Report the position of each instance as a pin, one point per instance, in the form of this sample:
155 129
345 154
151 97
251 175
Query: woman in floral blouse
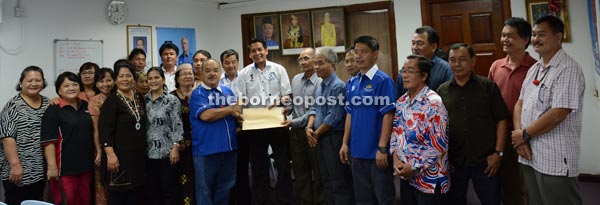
419 141
165 130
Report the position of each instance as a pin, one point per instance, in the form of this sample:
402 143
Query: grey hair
328 53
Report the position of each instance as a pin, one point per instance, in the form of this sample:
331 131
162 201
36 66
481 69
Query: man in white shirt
267 80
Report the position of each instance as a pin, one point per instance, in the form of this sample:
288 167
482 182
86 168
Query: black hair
257 40
229 52
120 61
98 76
462 45
432 34
203 52
369 41
168 45
135 52
87 66
424 65
523 27
161 73
554 22
31 69
126 64
63 76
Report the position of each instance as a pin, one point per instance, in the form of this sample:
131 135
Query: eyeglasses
303 59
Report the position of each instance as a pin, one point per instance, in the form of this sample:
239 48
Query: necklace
134 110
536 81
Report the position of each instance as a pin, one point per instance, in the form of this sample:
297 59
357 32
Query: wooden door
476 23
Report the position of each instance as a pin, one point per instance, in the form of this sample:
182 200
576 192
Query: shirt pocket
543 97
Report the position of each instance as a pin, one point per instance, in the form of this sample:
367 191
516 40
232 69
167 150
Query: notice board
69 55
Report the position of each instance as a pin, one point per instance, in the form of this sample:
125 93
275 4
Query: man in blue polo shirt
213 114
369 104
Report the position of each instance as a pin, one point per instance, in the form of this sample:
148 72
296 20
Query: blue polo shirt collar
209 88
371 72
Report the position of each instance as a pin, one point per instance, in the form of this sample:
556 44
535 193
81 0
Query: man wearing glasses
304 157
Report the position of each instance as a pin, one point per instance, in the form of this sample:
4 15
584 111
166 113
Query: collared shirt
440 73
96 103
271 83
474 111
72 132
420 138
217 136
510 81
369 97
304 88
225 80
23 123
555 152
170 79
164 124
332 112
185 58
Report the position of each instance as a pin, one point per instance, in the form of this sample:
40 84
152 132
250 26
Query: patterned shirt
96 103
561 86
23 123
303 88
164 124
420 138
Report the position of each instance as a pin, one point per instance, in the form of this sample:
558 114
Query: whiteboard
69 55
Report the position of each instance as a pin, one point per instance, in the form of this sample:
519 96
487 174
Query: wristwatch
526 136
500 153
382 149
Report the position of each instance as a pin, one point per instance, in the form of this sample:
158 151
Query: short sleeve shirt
473 112
164 124
23 123
369 97
72 132
557 151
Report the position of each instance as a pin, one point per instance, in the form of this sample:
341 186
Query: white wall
219 29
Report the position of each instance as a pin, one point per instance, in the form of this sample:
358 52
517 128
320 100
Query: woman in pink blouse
419 141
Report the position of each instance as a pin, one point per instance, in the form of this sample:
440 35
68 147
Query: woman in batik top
165 130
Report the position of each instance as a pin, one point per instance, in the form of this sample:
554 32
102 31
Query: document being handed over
262 118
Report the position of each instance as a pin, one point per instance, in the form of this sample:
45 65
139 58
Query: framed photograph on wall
266 27
295 32
329 28
183 38
539 8
139 36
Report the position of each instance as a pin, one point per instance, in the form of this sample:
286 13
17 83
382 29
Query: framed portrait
539 8
139 36
266 27
329 28
183 38
295 32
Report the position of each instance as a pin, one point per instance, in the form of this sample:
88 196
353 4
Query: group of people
128 135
